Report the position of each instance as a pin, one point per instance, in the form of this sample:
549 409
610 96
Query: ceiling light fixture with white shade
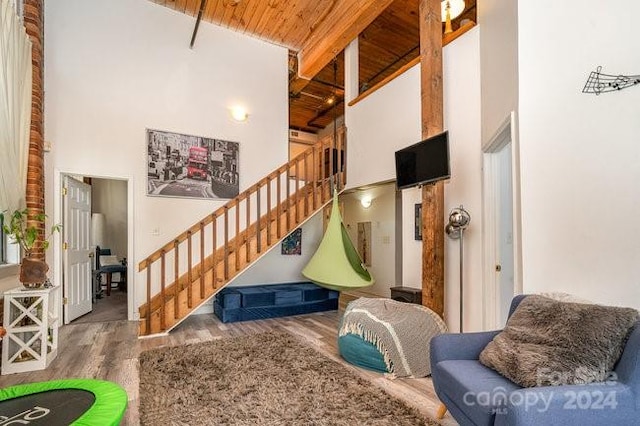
451 9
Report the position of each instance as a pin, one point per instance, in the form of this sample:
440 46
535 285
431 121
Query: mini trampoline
79 402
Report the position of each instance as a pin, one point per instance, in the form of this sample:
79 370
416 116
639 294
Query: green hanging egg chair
336 264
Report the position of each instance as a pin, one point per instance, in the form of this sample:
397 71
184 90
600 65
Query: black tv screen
424 162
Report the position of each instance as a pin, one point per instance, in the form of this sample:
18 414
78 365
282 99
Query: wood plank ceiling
388 43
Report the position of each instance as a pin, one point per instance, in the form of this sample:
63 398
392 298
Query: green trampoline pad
80 402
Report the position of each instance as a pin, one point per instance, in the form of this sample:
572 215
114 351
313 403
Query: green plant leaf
30 236
24 235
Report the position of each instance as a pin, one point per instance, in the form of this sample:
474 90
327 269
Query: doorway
501 198
104 223
369 218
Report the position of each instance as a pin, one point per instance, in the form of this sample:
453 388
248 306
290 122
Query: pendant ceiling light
451 9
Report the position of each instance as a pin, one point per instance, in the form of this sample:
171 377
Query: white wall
276 268
388 120
378 126
109 197
498 25
580 154
115 68
382 215
411 248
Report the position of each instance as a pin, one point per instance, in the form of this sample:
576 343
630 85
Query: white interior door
502 254
78 253
504 234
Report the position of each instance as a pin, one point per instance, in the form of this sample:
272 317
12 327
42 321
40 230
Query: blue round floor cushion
361 353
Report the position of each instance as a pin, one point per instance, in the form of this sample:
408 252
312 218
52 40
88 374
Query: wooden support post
176 279
237 238
226 242
278 206
259 232
163 325
258 228
189 267
314 179
148 316
288 198
214 260
201 260
432 124
247 233
296 218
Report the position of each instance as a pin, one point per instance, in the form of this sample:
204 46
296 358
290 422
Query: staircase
195 265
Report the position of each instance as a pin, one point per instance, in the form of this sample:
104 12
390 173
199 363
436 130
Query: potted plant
33 272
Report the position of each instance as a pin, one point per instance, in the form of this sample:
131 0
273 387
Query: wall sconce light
239 113
366 201
451 9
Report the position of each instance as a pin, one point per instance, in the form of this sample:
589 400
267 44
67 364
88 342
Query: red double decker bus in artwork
197 167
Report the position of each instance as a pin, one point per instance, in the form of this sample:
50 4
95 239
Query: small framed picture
418 222
292 244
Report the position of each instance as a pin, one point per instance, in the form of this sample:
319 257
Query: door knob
91 255
498 268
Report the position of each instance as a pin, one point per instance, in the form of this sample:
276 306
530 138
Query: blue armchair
477 395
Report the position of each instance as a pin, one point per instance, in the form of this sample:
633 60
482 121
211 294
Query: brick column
34 23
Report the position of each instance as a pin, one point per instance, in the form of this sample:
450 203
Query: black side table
407 294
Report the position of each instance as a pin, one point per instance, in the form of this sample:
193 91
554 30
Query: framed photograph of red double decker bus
180 165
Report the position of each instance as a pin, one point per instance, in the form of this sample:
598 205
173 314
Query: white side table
31 342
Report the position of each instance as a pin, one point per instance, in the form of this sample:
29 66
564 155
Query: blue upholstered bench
273 300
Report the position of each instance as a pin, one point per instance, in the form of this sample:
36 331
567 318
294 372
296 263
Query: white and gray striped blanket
400 331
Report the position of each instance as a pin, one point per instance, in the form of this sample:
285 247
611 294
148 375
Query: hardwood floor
109 351
107 308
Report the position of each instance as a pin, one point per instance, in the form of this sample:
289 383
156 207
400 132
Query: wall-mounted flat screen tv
424 162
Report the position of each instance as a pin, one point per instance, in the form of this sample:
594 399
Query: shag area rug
263 379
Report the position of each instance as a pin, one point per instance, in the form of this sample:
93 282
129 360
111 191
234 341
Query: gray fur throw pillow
547 342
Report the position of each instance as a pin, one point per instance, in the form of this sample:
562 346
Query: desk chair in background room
109 264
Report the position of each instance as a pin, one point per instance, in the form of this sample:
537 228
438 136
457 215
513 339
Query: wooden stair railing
191 268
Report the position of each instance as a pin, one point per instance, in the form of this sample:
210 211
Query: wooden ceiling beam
297 85
339 105
342 24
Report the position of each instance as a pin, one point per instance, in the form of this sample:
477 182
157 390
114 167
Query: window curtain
15 107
